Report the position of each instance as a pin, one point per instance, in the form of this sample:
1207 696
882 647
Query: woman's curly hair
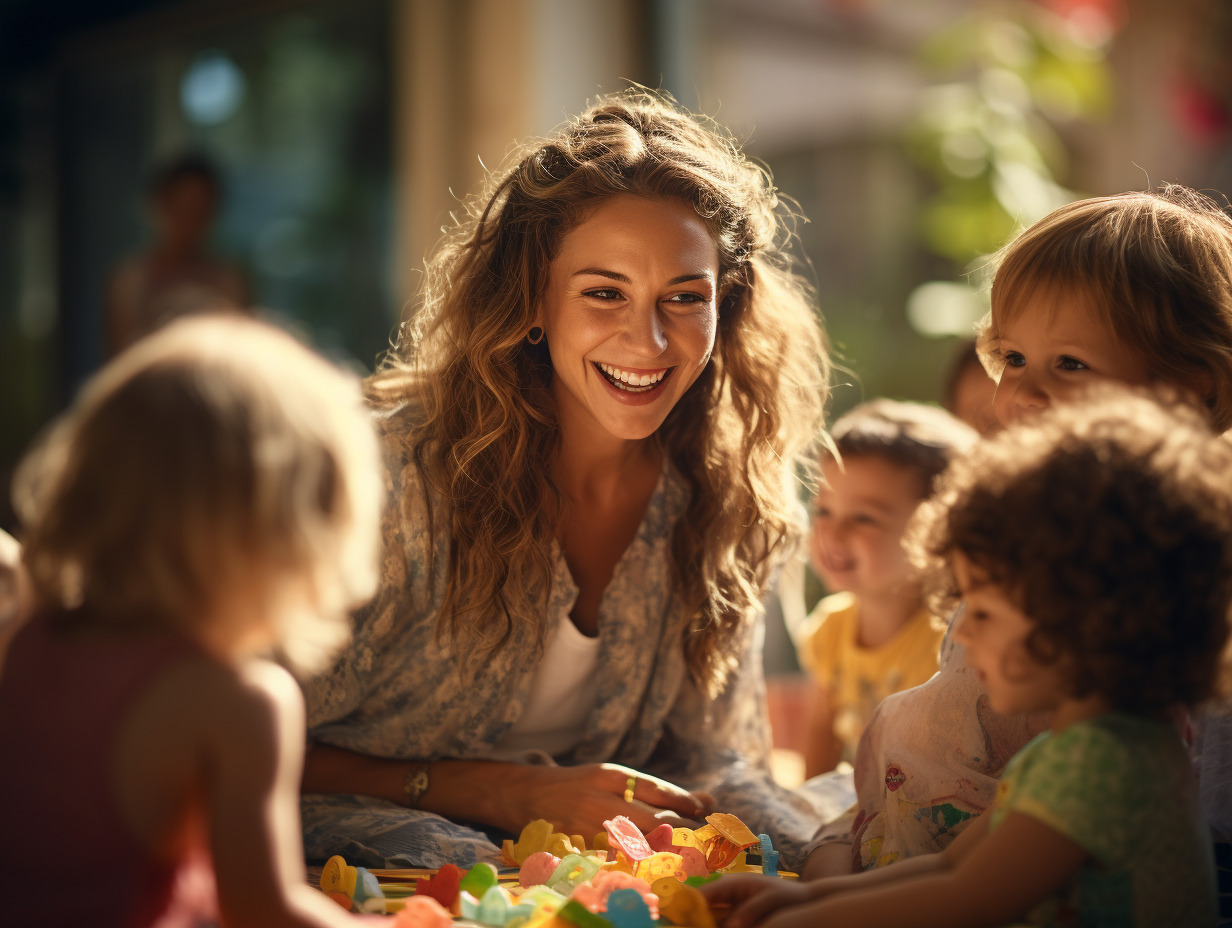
1109 522
489 430
1156 266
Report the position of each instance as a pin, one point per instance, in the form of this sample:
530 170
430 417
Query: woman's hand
746 899
578 800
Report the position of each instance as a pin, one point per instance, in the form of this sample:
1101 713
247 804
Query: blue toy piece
368 896
769 857
627 909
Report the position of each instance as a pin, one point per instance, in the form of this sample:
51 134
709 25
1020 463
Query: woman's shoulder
398 431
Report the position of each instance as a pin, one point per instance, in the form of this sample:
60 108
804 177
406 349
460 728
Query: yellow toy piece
658 865
731 828
723 837
687 837
538 836
620 862
682 904
337 877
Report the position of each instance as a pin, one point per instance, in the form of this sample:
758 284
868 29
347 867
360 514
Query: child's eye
1066 363
1014 358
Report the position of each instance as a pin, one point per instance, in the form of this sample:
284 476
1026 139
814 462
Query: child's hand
749 898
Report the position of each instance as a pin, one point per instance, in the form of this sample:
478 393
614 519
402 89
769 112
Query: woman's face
629 313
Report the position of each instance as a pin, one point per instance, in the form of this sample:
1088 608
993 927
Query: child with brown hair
212 495
872 636
1092 548
1135 288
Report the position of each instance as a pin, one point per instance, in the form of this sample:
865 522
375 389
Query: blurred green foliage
1003 78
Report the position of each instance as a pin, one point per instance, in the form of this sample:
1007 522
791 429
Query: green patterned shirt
1123 789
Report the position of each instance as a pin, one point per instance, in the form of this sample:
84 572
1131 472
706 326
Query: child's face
994 630
1053 348
858 524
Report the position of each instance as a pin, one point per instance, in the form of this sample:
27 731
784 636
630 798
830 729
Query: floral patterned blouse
397 692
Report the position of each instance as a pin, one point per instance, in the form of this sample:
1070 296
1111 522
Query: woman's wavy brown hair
1109 522
482 392
1157 268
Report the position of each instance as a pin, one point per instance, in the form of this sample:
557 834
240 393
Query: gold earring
535 335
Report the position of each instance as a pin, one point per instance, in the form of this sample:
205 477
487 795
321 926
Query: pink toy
537 868
626 836
593 894
422 912
660 838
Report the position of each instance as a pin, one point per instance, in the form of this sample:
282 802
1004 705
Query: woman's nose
644 331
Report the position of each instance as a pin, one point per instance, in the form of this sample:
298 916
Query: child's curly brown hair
1109 522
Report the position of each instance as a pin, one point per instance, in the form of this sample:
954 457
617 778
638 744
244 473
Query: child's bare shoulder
246 703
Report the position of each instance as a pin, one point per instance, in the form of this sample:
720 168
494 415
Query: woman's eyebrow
616 275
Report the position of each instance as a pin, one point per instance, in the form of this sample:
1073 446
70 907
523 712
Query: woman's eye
1066 363
602 293
1014 358
687 297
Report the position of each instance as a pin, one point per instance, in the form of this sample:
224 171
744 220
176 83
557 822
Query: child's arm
253 808
822 748
983 879
15 596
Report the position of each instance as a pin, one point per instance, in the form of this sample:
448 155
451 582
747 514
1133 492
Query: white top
560 698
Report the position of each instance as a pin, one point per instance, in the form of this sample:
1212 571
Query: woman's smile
633 381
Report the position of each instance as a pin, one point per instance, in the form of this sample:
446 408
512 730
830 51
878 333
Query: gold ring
630 788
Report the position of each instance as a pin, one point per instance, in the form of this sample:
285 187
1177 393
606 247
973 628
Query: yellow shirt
859 678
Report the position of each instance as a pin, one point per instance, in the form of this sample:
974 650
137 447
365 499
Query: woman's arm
577 800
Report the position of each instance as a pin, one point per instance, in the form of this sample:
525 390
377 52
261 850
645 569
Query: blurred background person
969 390
872 636
176 275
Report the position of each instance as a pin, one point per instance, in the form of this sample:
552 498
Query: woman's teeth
632 382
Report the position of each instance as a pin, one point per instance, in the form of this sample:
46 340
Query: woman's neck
598 471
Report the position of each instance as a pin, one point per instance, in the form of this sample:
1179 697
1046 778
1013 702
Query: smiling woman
594 427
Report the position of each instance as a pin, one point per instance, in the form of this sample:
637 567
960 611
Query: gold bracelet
415 784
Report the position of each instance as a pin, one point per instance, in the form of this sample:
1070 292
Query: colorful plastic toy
356 883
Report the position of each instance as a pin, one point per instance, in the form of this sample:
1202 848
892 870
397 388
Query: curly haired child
213 495
872 636
1134 288
1092 547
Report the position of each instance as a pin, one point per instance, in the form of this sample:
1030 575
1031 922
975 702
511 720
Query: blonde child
1092 547
212 495
872 636
1135 288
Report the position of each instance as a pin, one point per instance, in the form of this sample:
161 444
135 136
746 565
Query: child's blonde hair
1156 267
217 455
